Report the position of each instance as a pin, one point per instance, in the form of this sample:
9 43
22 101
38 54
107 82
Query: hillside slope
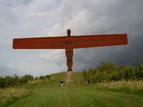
74 94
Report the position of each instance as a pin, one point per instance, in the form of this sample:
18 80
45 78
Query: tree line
10 81
107 72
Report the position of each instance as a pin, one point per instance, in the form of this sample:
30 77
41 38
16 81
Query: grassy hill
75 93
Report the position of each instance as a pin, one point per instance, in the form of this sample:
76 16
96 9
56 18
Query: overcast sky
32 18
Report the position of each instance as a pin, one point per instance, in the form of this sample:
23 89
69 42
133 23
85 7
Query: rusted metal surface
39 43
70 42
99 40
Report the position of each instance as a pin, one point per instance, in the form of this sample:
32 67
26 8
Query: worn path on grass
69 77
50 94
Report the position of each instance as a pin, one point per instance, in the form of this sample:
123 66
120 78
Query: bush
2 82
110 72
8 81
43 78
25 79
14 81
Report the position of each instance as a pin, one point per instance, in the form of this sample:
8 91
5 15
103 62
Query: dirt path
68 77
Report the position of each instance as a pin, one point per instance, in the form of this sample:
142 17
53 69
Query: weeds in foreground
130 87
9 93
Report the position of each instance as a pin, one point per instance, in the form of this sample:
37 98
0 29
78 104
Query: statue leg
69 55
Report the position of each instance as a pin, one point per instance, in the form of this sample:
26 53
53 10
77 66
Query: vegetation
108 72
18 81
128 87
10 94
13 88
76 94
14 81
126 90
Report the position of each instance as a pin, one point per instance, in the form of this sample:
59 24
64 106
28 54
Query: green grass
75 94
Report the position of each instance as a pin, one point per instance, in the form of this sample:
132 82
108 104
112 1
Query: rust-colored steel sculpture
70 42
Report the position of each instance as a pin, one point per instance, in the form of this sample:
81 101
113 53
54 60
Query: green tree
2 82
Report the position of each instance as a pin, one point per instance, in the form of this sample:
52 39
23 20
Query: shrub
110 72
2 82
13 81
43 78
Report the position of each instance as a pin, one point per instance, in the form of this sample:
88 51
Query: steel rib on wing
39 43
99 40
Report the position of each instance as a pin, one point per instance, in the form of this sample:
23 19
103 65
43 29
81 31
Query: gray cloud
30 18
127 19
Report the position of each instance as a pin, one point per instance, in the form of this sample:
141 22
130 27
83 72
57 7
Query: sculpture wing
99 40
77 41
39 43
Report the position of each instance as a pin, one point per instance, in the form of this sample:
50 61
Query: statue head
68 32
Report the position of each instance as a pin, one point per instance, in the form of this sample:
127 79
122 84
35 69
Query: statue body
69 43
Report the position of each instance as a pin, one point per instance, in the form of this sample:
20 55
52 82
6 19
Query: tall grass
9 93
131 87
